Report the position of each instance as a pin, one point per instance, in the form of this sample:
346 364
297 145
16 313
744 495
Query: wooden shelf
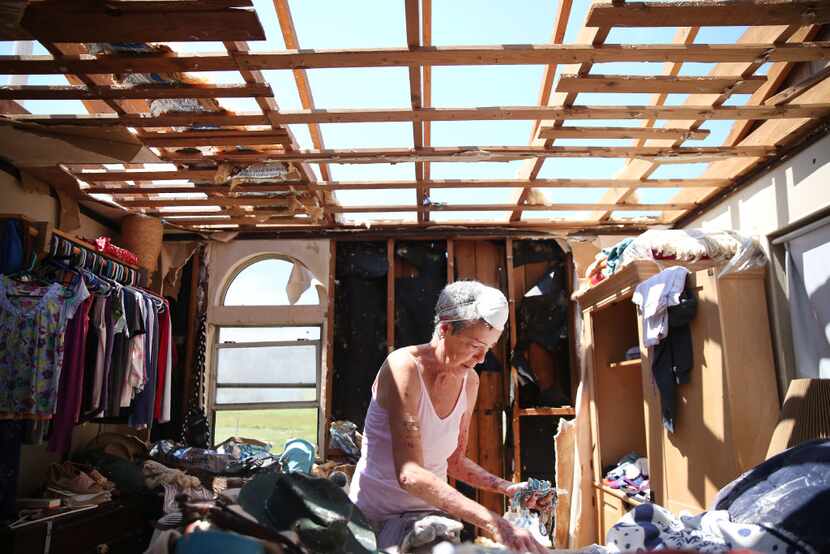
560 411
619 494
626 363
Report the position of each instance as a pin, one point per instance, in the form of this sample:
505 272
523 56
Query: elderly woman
418 422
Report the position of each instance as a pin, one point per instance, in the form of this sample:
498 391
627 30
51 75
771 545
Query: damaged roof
263 115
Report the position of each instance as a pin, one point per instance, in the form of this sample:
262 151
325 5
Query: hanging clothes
33 322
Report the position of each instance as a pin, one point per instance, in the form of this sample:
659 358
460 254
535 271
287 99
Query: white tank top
374 488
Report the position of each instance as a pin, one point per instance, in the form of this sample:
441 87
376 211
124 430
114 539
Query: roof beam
560 25
622 133
185 139
684 113
791 93
641 169
659 84
534 54
413 40
709 13
54 92
390 185
289 35
480 154
141 21
509 207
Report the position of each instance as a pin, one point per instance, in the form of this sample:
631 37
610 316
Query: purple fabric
71 380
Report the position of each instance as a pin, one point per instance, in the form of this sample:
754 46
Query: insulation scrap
234 175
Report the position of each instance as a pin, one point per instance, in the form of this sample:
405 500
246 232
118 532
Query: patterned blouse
33 322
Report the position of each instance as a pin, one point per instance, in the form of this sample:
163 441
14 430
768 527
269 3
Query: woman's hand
519 540
535 502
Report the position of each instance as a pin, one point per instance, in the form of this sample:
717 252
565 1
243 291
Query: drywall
41 206
792 191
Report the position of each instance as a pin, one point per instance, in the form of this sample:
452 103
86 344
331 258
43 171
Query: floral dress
32 326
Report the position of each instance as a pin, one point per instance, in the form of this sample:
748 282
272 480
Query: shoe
67 476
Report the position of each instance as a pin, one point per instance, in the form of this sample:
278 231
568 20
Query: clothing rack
84 255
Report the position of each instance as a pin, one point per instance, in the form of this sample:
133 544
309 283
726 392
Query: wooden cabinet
725 415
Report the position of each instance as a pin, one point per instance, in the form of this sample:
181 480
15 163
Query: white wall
794 190
786 195
40 206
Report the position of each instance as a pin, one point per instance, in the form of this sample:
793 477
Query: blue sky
322 24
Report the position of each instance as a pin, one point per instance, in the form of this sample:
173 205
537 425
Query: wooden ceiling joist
398 185
141 176
535 54
184 139
289 35
508 207
478 153
622 133
659 84
140 21
56 92
218 201
706 13
682 113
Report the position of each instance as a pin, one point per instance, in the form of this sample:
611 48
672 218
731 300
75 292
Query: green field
274 426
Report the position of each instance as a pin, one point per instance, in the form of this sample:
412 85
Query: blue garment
614 255
11 248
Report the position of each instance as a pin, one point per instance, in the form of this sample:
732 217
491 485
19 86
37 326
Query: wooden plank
465 264
622 133
708 13
327 379
661 84
439 114
490 271
510 54
208 202
426 96
140 176
218 138
413 40
643 169
450 261
205 189
289 35
791 93
561 411
118 176
514 376
560 25
390 295
506 207
57 92
252 220
136 21
479 153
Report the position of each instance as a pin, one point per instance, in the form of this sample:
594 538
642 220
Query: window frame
263 316
217 346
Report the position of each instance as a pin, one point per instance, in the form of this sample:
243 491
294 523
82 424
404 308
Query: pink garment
375 489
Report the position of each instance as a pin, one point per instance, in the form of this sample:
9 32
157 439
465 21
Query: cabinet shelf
626 363
619 494
560 411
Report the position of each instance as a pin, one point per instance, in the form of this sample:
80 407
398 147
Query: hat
315 508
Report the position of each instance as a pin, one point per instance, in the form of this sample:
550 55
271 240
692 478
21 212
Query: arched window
266 283
266 376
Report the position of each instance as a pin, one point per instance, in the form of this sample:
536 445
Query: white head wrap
489 305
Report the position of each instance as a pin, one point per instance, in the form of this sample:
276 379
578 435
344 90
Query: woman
418 422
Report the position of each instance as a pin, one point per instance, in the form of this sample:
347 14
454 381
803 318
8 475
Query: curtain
808 275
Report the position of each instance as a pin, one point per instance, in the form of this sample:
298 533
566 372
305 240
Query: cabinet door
611 509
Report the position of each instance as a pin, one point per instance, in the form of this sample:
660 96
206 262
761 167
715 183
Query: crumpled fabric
652 527
156 474
417 532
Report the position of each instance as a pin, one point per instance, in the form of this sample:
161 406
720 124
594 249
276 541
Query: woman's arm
459 465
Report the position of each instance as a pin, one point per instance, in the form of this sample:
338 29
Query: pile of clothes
630 475
684 245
